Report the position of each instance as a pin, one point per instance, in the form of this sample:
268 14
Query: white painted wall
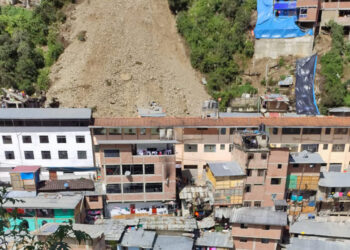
71 146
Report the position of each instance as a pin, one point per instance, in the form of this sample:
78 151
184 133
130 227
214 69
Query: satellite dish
127 173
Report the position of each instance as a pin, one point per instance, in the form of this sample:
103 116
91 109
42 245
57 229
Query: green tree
21 237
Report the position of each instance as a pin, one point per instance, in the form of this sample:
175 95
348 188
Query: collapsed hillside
132 55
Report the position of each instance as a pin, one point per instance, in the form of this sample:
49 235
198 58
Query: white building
55 139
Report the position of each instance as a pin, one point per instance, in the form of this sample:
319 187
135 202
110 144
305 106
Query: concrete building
336 10
54 139
137 165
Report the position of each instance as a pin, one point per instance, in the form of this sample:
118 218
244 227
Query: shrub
82 36
43 81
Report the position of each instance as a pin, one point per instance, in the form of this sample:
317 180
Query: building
311 244
336 10
257 228
138 239
215 240
340 111
96 233
308 12
196 199
54 139
265 167
227 182
137 166
302 181
274 103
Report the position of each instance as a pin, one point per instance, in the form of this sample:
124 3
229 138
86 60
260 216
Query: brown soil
132 56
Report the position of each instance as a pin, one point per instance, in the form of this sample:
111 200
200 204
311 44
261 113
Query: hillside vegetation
29 45
216 32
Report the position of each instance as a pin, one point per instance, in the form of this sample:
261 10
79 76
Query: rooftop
113 229
324 229
168 223
94 231
339 109
305 121
173 243
25 169
274 97
138 238
231 168
45 113
47 201
334 179
189 193
305 157
215 239
312 244
258 216
66 185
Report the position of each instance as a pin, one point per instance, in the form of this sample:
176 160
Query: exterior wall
18 147
95 244
94 204
327 155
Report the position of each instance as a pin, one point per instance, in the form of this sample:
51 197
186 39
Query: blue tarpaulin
285 5
304 86
269 26
27 176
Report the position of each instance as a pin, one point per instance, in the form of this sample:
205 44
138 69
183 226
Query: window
110 153
61 139
222 146
82 155
335 167
309 147
222 131
149 169
261 172
303 12
62 155
249 172
338 147
7 139
263 156
142 131
243 240
115 131
129 131
133 169
154 187
45 213
190 166
112 169
93 198
191 148
247 204
328 131
113 189
279 166
295 165
290 131
340 131
325 146
9 155
26 139
247 188
257 203
266 227
132 188
275 131
210 148
99 131
230 147
232 130
202 128
29 155
45 155
80 139
265 241
154 131
275 181
44 139
244 226
312 131
250 156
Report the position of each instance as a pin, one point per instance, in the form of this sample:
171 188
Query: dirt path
133 55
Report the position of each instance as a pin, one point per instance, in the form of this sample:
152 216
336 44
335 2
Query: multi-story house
308 12
55 139
137 161
336 10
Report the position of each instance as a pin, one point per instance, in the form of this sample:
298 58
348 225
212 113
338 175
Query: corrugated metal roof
305 121
306 157
258 216
173 243
138 238
168 223
72 185
45 113
231 168
334 179
108 142
47 201
215 239
113 229
189 193
339 109
318 228
313 244
25 169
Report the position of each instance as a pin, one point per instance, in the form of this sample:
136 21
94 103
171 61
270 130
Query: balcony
153 150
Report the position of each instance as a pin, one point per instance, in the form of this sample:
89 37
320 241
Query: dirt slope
133 55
